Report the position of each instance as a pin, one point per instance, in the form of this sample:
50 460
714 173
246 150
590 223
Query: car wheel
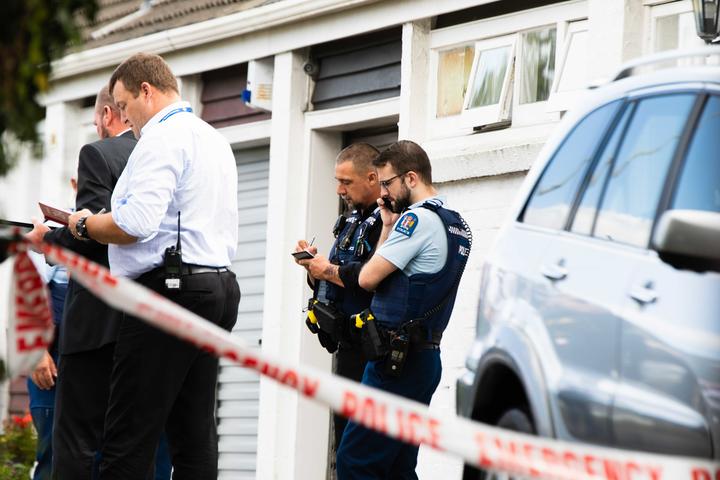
514 419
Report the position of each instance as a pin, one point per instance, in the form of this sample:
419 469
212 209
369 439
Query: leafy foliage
17 448
34 33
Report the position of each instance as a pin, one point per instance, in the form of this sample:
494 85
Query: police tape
405 420
29 319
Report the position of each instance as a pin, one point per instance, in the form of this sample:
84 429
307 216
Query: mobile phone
387 203
302 255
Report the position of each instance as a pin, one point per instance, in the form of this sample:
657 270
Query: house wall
478 172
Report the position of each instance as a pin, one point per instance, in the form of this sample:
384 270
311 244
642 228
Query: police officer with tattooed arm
415 272
333 279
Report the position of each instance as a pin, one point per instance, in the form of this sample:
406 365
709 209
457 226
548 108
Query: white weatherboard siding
239 388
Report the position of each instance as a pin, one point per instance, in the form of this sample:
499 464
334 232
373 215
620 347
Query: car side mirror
689 239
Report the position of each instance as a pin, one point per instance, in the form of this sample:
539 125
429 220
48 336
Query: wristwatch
81 229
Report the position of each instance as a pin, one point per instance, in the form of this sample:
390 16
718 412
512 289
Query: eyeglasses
386 183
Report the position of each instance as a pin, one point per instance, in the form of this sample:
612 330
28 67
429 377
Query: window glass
538 65
574 70
638 174
489 77
553 195
585 215
666 33
452 79
699 186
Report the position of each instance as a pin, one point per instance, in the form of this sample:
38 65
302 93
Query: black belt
424 346
188 269
432 344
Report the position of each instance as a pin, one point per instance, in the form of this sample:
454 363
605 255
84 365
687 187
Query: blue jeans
43 420
163 467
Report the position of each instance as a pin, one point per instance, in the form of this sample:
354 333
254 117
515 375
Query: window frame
672 175
565 100
496 112
677 166
479 32
599 148
655 11
535 112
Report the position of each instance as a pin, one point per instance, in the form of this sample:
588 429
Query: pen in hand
102 210
309 244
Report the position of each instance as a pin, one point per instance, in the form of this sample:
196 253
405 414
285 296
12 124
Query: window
554 194
666 33
672 26
538 65
454 67
571 79
699 186
638 174
488 92
498 70
528 59
585 214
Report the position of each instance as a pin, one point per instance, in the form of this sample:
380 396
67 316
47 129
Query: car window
640 168
699 185
585 214
554 193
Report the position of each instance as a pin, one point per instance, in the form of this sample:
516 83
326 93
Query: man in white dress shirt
183 171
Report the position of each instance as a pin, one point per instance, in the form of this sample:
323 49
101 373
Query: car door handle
644 294
556 271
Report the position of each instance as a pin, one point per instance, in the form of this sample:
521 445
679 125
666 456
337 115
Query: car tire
514 419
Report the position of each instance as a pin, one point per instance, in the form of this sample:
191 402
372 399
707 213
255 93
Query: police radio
172 261
397 354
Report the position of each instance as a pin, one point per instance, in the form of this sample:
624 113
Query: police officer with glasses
414 274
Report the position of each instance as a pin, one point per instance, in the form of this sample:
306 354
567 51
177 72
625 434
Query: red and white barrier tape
397 417
29 321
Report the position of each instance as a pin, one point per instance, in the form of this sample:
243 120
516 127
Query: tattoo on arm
332 272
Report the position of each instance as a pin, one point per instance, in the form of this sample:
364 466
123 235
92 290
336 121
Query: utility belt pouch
398 351
329 319
415 330
373 339
327 341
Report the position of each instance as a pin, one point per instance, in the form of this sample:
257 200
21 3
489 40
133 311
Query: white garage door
239 388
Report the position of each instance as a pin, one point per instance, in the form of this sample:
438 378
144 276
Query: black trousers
81 399
160 382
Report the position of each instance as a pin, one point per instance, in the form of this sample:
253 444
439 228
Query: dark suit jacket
88 323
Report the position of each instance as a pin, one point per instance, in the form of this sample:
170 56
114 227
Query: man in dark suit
89 328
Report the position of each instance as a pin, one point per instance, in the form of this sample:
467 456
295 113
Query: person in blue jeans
41 384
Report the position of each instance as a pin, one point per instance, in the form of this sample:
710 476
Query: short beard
351 206
402 202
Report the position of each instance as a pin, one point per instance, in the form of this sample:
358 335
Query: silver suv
599 316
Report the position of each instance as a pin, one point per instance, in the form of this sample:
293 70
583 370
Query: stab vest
351 245
428 297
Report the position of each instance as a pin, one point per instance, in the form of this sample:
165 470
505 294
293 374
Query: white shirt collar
159 115
123 132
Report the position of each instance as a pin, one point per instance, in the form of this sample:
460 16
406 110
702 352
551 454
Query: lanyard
173 112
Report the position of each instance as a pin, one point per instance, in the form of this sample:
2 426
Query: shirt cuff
127 222
350 274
